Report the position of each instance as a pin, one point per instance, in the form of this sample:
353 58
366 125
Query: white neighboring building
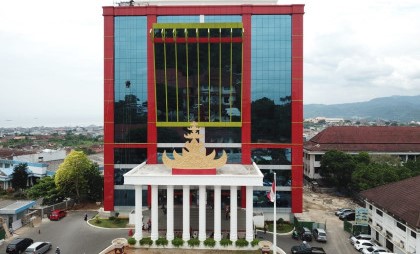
35 170
45 156
394 215
400 141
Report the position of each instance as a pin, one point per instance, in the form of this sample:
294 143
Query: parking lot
73 235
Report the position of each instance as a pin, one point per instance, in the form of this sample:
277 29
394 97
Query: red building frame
246 11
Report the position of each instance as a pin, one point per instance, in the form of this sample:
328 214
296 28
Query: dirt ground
319 206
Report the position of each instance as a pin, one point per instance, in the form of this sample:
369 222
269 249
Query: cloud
52 54
361 50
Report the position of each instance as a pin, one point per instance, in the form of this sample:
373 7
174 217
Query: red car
57 214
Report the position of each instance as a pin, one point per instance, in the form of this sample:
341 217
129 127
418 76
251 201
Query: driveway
72 234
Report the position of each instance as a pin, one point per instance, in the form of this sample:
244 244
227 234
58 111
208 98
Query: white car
374 250
362 244
353 239
38 248
342 210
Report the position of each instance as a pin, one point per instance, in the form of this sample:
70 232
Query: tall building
234 68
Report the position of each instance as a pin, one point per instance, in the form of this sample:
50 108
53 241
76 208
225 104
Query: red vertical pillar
151 103
108 13
297 109
246 96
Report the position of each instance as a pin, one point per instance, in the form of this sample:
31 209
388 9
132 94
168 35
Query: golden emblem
194 154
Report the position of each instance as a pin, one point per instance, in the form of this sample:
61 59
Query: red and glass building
236 69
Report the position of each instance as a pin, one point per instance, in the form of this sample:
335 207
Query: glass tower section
271 79
130 85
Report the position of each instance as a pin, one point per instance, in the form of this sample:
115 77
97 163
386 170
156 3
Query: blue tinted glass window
271 78
130 79
127 197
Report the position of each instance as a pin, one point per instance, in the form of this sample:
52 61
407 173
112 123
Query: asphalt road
72 234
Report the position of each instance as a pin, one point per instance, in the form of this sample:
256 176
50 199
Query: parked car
305 248
342 210
353 239
374 250
349 216
18 245
38 248
305 234
319 234
57 214
362 244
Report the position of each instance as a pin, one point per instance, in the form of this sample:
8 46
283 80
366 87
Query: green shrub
131 241
209 242
177 242
255 242
111 218
225 242
241 243
161 241
193 242
146 241
97 220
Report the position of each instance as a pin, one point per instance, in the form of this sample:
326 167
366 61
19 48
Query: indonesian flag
272 194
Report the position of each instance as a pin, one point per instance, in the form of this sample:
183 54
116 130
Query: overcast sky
51 68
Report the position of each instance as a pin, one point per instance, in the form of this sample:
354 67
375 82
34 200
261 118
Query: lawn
109 223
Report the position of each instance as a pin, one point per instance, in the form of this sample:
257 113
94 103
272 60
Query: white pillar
217 211
154 234
233 213
249 232
186 212
170 213
138 212
202 213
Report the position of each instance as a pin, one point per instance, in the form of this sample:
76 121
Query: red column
246 98
297 111
151 103
108 108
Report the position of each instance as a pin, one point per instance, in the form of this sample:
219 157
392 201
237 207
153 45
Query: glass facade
271 79
130 110
283 199
198 73
127 197
271 156
198 65
129 155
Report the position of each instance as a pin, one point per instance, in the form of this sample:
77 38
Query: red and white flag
272 194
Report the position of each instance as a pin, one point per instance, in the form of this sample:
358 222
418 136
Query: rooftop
193 2
229 174
366 138
399 199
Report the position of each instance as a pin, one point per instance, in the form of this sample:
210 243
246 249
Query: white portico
231 176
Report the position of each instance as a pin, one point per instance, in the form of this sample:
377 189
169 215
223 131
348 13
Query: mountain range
393 108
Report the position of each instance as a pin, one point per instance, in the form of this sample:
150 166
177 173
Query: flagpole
274 216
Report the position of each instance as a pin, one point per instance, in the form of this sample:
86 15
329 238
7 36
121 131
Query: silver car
38 248
319 234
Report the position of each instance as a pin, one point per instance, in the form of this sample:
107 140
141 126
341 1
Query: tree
413 166
45 188
76 175
368 176
337 168
391 160
20 176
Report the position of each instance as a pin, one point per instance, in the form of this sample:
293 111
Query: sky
51 67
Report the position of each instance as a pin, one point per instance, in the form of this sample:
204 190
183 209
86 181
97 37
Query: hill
394 108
